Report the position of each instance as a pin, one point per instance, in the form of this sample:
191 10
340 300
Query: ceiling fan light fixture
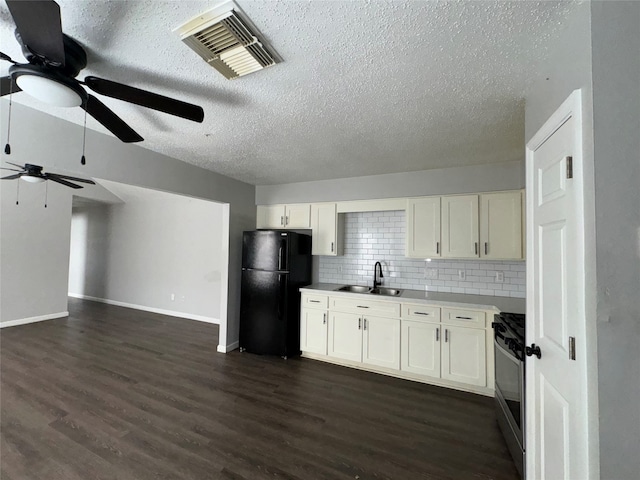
49 91
30 179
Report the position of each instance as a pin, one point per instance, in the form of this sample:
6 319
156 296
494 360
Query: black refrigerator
275 264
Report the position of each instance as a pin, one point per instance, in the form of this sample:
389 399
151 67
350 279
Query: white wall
443 181
144 250
58 147
34 251
599 53
615 28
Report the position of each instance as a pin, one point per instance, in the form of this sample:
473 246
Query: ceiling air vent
227 40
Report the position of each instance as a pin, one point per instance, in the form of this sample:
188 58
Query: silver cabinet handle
282 220
420 313
476 244
365 323
465 318
362 306
437 334
438 247
332 246
446 335
324 318
359 323
486 248
286 220
314 301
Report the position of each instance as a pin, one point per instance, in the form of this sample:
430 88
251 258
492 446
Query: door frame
583 178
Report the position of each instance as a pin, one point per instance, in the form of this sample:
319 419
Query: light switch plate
462 274
500 277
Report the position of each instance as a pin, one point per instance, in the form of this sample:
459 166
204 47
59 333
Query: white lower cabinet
313 331
367 339
381 341
345 336
421 348
440 345
463 355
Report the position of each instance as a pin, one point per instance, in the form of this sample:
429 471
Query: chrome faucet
377 267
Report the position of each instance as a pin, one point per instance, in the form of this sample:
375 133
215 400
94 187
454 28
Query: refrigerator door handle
280 258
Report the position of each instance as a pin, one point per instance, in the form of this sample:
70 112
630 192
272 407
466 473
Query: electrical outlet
431 273
462 274
339 268
173 297
500 277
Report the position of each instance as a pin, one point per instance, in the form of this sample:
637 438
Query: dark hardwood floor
114 393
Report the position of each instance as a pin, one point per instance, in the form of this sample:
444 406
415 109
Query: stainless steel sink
391 292
354 289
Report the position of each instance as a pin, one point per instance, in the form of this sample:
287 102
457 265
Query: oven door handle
509 354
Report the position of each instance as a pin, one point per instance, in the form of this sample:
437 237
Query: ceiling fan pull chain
46 193
18 192
7 147
83 160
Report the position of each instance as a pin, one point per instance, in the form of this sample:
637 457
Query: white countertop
462 300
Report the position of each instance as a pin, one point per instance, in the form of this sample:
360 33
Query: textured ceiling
365 87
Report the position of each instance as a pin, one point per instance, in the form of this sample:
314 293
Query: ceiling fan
55 59
34 174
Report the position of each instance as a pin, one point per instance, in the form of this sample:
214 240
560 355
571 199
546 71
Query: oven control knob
533 350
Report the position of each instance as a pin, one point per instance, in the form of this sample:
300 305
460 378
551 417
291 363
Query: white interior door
556 389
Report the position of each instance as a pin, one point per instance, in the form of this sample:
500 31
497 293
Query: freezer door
263 312
265 250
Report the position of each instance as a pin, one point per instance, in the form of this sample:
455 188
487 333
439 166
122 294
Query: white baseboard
228 348
40 318
172 313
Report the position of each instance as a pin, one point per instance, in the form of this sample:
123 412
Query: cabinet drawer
463 318
421 312
355 305
311 300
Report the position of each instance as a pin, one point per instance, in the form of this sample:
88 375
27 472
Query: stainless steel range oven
508 340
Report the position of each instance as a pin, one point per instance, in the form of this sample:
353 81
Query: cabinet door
423 227
464 356
345 336
270 216
420 348
313 331
460 226
501 225
324 223
381 341
297 216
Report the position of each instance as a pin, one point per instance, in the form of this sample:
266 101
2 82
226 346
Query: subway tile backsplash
380 236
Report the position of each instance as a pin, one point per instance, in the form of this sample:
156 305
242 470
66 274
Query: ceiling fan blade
12 169
16 165
66 177
40 28
61 181
110 120
7 85
4 56
12 177
145 99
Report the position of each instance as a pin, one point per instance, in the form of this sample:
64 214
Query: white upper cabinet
324 226
423 227
283 216
501 225
460 226
297 216
270 216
